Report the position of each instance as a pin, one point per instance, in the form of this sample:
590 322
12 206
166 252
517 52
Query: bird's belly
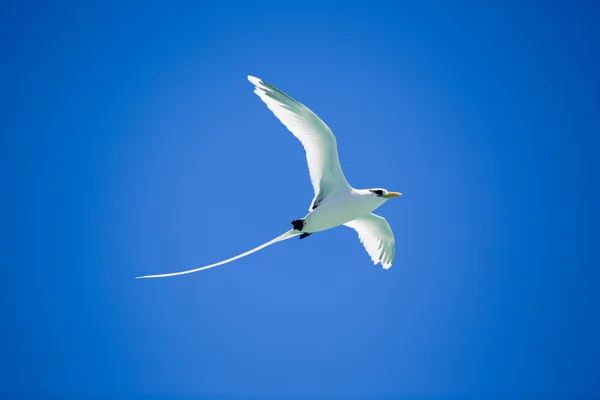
330 215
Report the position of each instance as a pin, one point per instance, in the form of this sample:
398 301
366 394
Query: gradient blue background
132 144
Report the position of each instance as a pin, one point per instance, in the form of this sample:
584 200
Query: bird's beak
392 194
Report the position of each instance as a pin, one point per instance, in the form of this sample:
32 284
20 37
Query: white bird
336 202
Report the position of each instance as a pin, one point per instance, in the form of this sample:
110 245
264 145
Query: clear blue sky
132 143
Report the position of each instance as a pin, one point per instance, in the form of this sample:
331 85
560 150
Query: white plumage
375 233
317 139
335 202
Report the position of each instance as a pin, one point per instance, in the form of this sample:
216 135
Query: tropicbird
335 202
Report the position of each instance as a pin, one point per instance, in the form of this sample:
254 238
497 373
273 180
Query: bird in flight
335 202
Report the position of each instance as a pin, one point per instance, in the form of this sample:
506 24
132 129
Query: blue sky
132 144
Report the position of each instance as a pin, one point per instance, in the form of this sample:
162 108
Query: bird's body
341 208
335 202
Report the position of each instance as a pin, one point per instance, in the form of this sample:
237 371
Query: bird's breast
338 211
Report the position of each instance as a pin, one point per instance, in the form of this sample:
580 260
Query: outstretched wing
319 142
376 235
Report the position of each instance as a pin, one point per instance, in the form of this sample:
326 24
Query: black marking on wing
298 224
317 202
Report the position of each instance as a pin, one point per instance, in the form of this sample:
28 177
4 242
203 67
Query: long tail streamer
288 235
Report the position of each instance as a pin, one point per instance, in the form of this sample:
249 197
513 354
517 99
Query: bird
335 202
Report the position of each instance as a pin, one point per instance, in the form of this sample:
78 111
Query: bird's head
384 194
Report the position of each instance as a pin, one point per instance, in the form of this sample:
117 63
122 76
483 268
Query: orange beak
392 194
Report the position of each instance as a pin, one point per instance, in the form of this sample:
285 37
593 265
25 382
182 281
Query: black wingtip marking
305 235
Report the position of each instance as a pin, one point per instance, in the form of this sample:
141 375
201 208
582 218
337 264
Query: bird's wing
319 142
288 235
376 235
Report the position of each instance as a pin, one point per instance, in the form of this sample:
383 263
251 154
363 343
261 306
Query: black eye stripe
378 192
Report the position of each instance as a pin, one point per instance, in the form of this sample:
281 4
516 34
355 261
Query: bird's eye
378 192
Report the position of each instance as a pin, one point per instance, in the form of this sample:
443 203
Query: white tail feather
288 235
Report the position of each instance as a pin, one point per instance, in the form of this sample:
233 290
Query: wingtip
256 81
